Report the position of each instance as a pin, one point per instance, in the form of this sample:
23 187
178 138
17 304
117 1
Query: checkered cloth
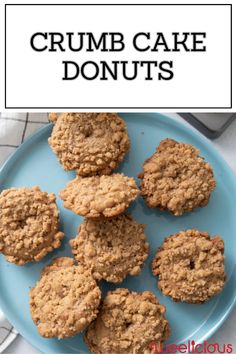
14 129
7 332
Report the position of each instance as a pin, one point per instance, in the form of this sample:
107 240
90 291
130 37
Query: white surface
7 333
201 79
226 144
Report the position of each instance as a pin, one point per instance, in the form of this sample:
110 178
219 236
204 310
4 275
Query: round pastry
111 248
128 322
29 222
90 143
65 300
176 178
190 266
99 196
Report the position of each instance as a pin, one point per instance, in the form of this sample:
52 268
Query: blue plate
35 164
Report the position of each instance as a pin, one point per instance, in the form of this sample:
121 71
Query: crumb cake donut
65 300
176 178
90 143
128 322
190 266
29 224
100 196
111 248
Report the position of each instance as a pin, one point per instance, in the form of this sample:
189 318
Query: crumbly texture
65 300
127 324
52 117
29 222
111 248
99 196
176 178
91 143
190 266
58 263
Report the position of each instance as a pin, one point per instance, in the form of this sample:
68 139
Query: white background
201 79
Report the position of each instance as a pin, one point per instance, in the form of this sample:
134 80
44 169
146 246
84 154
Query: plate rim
175 125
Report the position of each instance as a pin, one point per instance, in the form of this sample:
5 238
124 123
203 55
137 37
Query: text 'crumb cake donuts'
190 266
29 222
65 300
127 323
99 196
111 248
90 143
176 178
